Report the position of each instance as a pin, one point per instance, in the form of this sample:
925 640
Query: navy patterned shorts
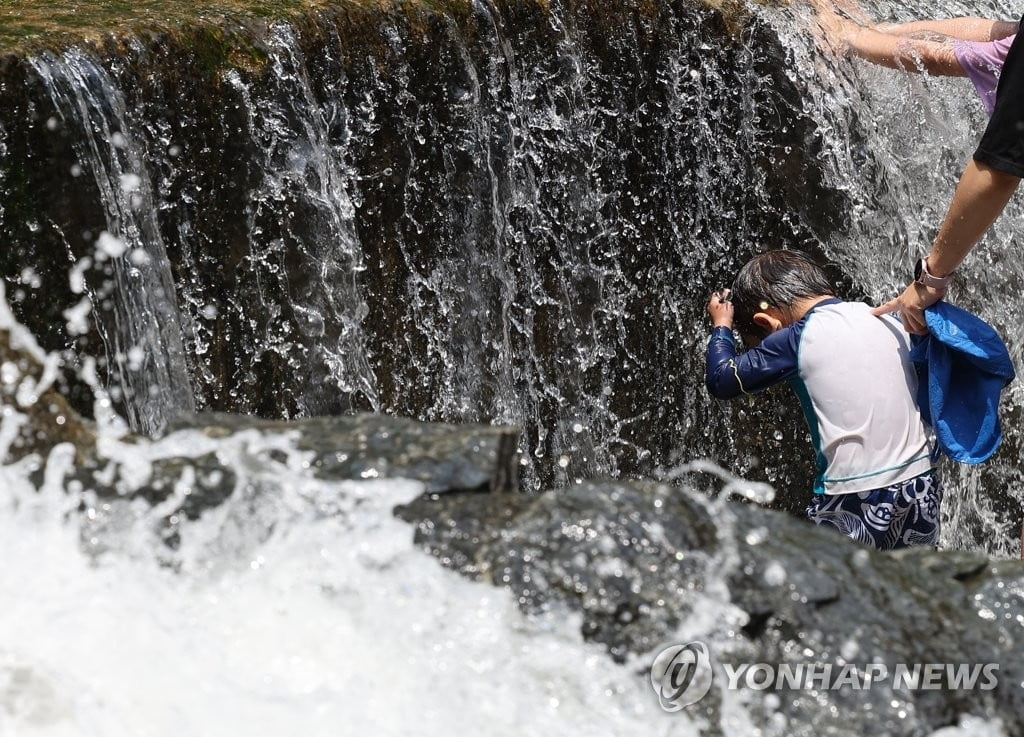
897 516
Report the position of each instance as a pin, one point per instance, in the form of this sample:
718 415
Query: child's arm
904 53
889 48
966 28
729 375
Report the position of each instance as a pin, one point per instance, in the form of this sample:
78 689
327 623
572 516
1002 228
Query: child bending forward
852 373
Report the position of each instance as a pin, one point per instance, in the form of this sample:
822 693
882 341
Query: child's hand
720 309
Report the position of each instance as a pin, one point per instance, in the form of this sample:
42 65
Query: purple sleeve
729 375
983 61
1002 144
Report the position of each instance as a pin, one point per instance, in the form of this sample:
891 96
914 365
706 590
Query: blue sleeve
729 375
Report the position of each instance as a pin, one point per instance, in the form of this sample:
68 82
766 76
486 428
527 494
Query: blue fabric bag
962 366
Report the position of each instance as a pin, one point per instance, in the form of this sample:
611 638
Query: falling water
478 226
494 217
143 330
301 145
505 218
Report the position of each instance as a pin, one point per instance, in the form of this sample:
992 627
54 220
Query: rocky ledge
644 564
648 565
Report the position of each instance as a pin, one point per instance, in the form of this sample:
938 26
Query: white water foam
333 624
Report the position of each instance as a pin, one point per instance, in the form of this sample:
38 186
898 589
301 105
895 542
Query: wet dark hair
775 279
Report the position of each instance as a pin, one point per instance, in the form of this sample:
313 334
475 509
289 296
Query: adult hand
911 305
720 309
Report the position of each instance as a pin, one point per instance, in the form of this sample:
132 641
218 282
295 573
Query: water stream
517 224
144 335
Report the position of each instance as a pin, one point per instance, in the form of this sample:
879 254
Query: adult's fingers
913 321
912 317
893 305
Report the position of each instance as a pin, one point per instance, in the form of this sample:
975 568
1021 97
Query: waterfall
143 330
300 144
464 211
497 215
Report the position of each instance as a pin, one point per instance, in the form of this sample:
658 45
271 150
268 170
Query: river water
308 610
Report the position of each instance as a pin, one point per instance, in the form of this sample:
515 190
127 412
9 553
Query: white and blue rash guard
852 373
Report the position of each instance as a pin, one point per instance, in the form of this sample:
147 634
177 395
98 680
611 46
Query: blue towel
962 366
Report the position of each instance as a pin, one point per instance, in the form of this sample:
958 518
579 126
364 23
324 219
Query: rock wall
476 211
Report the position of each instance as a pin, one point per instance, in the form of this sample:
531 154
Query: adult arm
986 185
980 197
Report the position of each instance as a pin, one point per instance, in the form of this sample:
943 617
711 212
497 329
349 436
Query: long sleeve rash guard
852 374
729 375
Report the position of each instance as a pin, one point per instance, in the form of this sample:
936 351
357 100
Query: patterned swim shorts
897 516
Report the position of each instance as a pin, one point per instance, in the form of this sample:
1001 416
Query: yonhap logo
681 675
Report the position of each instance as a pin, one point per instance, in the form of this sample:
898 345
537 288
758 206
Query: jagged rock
640 560
362 446
443 458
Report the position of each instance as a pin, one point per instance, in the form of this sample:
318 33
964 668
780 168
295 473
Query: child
952 47
852 373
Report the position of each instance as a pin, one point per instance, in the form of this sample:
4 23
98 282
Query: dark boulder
648 565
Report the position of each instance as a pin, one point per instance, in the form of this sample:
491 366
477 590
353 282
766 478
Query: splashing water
300 606
296 605
333 624
515 231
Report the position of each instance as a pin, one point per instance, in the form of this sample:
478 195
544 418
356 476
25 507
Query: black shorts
1002 144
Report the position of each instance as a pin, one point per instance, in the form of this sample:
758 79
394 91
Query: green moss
29 24
26 24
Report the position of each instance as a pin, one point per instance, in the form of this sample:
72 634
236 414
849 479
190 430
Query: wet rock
644 562
36 415
443 458
366 446
363 446
555 547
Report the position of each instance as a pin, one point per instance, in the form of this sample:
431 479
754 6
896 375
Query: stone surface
366 446
31 403
444 458
648 565
362 446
